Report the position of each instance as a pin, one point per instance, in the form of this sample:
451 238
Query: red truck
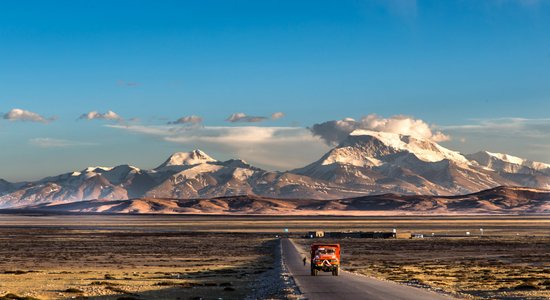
326 258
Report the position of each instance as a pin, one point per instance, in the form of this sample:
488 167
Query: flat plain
185 257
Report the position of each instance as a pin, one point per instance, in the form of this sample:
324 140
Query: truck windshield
326 251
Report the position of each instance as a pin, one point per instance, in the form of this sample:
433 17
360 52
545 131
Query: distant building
315 234
358 234
404 235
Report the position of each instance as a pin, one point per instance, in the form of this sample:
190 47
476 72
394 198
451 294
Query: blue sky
478 71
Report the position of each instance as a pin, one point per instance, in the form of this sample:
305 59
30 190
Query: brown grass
57 263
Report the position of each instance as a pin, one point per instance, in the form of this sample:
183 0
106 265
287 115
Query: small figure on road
304 260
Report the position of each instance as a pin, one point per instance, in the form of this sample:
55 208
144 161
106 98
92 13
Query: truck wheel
336 272
313 273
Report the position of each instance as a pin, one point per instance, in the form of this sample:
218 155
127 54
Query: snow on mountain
178 159
204 177
423 149
508 163
388 162
366 163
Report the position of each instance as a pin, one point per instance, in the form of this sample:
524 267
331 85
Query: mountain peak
194 157
506 162
424 149
499 156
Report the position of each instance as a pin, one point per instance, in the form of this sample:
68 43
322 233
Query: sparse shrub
16 272
11 296
102 283
525 287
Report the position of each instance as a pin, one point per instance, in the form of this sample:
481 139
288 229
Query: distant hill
500 200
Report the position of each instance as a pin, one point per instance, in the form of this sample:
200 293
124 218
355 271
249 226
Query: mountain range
366 163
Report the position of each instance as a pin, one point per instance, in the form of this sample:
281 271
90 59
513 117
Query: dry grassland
106 264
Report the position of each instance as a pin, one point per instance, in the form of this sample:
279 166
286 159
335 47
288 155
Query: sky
86 83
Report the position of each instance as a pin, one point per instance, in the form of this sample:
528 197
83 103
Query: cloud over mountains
242 117
271 147
46 142
333 132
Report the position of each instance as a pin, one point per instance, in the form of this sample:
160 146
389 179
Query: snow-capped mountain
120 182
182 159
509 164
386 162
366 163
521 171
184 175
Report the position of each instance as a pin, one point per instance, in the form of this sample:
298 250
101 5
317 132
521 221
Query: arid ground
183 257
107 263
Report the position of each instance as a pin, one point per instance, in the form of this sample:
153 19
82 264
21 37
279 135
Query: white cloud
333 132
403 125
187 120
509 128
242 117
291 147
522 137
45 142
269 147
277 115
18 114
94 115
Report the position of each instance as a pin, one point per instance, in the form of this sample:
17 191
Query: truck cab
325 258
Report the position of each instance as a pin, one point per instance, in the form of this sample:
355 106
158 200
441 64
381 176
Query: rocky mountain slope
367 163
500 200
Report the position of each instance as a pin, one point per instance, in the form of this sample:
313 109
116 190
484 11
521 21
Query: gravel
276 283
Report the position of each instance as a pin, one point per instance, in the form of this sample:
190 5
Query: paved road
347 285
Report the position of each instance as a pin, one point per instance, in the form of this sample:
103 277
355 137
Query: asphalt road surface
347 285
